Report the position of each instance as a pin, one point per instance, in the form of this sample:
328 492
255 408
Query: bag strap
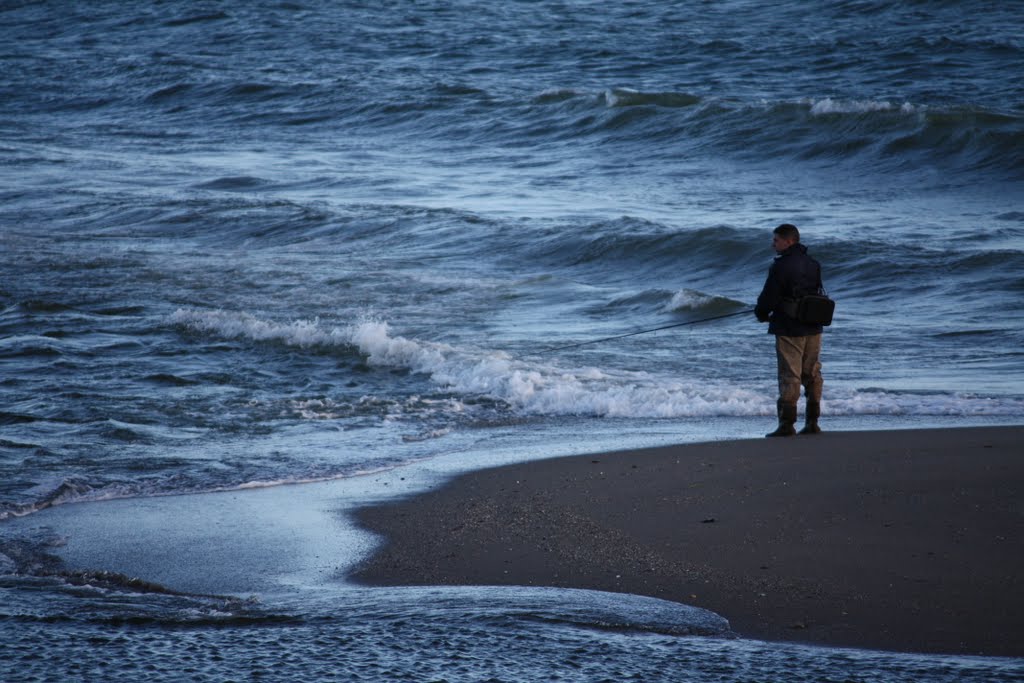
795 293
821 285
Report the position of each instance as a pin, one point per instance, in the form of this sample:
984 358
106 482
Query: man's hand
762 317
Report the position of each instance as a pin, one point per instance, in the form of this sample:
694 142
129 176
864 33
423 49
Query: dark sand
901 540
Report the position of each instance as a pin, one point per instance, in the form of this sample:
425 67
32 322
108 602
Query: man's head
784 236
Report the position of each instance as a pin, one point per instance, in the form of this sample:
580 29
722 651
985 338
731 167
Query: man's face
781 244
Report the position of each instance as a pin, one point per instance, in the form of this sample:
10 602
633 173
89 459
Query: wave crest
830 106
626 97
529 386
890 135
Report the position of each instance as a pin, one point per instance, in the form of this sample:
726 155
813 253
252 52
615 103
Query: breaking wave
532 387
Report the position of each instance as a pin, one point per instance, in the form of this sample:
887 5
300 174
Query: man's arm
771 295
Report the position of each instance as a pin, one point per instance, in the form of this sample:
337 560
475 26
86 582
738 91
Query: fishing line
655 329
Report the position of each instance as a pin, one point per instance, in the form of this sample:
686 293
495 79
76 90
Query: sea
268 246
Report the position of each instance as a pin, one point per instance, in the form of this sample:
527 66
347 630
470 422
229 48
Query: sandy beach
893 540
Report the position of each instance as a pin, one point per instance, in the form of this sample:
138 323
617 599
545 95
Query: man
797 344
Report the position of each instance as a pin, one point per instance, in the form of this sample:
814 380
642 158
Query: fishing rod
656 329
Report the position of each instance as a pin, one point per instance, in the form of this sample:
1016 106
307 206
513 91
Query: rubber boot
787 418
811 421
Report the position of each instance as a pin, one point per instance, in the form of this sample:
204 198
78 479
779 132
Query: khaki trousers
799 364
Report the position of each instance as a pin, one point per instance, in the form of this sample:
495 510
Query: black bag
810 309
815 309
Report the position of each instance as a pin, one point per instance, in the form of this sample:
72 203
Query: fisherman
797 344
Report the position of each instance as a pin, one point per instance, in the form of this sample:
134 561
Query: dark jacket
792 274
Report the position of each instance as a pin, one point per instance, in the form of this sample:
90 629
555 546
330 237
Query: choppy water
271 242
443 635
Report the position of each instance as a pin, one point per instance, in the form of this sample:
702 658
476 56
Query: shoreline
894 540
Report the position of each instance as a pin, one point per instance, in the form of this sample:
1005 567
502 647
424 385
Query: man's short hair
787 232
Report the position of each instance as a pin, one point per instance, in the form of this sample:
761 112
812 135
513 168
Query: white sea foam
842 401
831 106
532 387
688 300
234 325
615 97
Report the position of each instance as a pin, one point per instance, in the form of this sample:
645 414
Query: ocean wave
697 87
830 106
188 19
667 301
67 491
84 490
626 97
236 101
888 134
7 443
532 387
23 346
635 245
1016 216
234 325
693 300
554 95
9 418
235 183
892 136
921 267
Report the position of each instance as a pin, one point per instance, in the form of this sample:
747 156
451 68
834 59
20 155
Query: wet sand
895 540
